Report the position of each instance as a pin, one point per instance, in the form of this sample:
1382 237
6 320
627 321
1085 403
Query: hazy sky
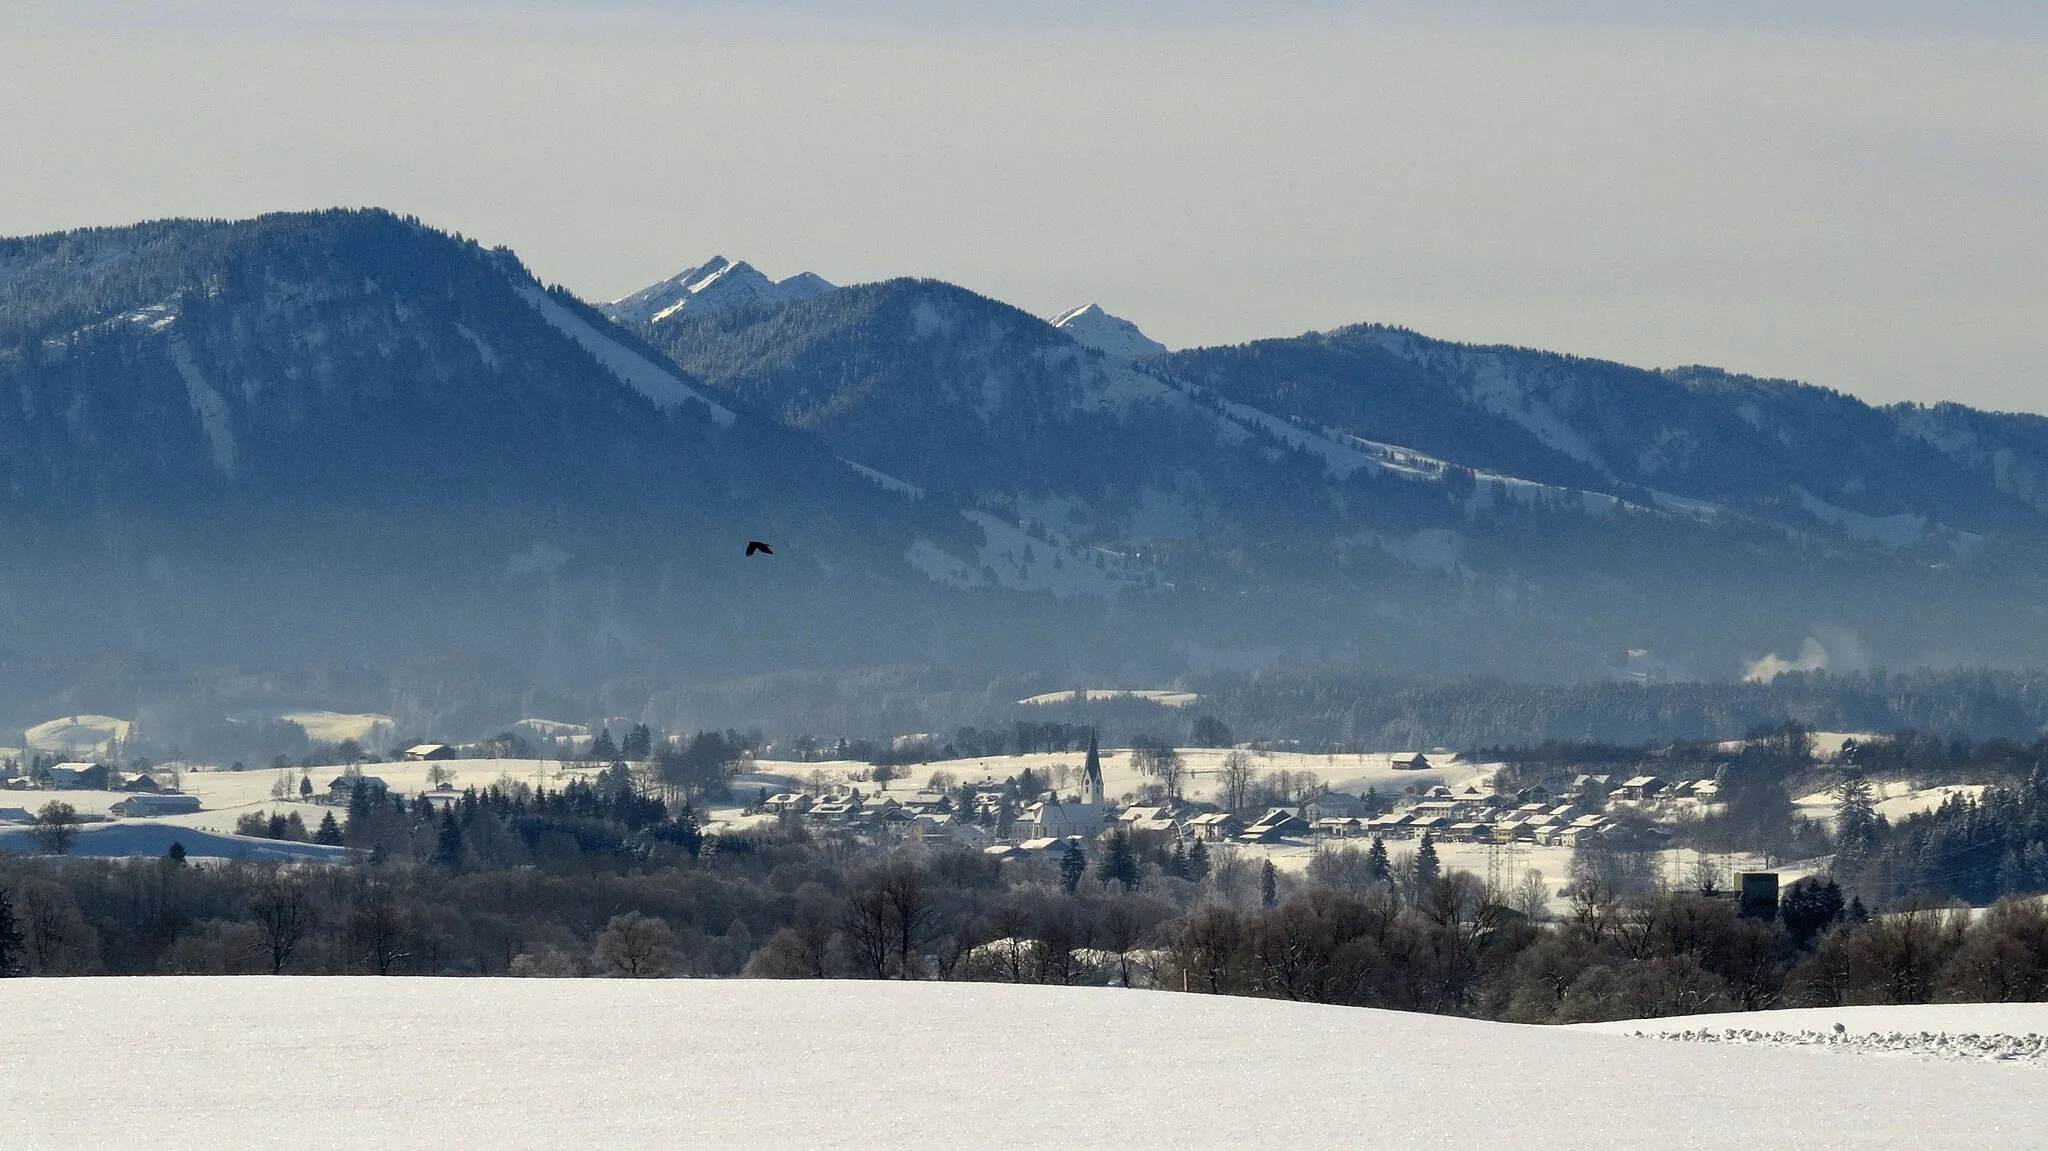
1851 194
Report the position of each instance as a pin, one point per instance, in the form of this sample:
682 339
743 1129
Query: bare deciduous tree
636 946
283 910
1234 782
56 827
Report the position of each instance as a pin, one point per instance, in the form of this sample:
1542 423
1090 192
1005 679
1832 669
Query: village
988 814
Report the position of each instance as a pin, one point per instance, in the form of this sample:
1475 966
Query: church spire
1091 772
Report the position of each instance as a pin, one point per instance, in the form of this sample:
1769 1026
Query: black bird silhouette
757 546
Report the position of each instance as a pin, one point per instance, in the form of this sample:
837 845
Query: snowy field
225 796
1896 799
1352 773
407 1063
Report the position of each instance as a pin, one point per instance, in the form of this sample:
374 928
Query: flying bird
757 546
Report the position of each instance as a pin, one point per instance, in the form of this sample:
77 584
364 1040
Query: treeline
1356 929
1355 709
598 879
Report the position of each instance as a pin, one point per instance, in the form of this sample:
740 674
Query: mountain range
347 449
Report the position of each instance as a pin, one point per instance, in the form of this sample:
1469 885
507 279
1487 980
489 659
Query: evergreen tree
1809 905
329 832
448 841
1855 821
1269 885
1198 861
1857 913
1119 864
176 854
1073 865
1376 864
639 743
10 937
602 749
1427 869
305 787
358 811
1177 862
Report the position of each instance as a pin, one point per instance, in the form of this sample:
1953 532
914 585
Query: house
788 803
1472 832
1216 826
1053 846
837 809
420 752
1410 761
141 782
72 776
935 829
1157 819
1534 793
1389 826
344 787
1337 828
443 795
1337 805
1641 787
1278 823
146 805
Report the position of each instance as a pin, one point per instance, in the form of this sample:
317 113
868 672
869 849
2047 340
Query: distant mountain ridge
713 285
344 438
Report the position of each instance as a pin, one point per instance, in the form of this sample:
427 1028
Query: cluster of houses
1471 813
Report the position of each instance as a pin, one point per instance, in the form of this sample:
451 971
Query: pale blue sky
1851 194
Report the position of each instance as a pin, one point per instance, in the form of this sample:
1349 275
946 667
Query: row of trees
623 893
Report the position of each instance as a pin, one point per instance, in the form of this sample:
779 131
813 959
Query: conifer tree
1269 885
10 937
1073 865
1427 869
329 832
1376 864
1198 861
448 841
1177 862
1118 863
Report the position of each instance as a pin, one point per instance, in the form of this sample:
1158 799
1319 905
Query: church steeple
1091 772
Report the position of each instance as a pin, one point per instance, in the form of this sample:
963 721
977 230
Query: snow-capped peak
715 284
1113 336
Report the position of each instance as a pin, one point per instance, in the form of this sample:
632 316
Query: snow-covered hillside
404 1063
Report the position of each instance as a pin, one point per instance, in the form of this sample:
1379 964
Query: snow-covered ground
1896 799
1352 773
225 796
505 1064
